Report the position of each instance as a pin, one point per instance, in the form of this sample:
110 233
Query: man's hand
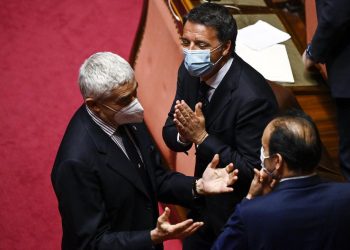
166 231
216 180
262 184
309 64
190 125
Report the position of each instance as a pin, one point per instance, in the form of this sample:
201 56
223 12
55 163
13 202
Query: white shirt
216 79
297 177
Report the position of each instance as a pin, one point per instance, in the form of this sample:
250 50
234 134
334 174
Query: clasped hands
214 180
190 124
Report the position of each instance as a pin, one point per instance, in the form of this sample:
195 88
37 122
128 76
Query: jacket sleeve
169 130
172 187
251 121
333 20
233 236
85 222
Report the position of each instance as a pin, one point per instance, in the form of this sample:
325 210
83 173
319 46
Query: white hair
102 72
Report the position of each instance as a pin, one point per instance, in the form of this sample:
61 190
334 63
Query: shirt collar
297 177
215 80
108 129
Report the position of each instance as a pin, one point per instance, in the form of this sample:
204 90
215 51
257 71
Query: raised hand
262 184
166 231
190 124
217 180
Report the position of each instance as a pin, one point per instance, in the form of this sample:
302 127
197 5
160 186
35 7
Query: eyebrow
136 85
195 41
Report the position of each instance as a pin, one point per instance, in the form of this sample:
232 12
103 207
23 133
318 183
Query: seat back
287 100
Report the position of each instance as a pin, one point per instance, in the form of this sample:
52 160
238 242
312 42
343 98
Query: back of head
101 73
295 137
217 17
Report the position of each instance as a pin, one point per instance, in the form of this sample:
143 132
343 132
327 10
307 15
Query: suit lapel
193 86
222 95
145 151
115 157
117 160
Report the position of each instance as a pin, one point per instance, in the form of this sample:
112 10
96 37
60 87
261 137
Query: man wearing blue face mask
221 105
108 175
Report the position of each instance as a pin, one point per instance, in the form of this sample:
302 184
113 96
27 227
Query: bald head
295 137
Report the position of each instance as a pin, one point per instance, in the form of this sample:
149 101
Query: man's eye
185 43
124 101
203 45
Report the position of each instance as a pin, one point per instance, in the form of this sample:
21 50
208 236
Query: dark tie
203 96
130 148
134 156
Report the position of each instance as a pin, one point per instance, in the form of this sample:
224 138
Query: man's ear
278 160
92 104
227 48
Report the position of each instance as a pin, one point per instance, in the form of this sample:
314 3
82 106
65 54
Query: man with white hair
107 174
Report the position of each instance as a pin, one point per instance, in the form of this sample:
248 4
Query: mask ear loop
216 48
214 64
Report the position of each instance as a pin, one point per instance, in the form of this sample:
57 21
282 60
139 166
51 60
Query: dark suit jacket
238 112
298 214
102 199
331 43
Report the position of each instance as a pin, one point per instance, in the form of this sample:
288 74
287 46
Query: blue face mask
197 62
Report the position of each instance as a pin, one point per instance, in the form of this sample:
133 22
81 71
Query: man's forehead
200 30
124 89
267 131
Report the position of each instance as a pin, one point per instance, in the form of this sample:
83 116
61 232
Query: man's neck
217 68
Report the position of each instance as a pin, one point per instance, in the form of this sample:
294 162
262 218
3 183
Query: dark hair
295 137
217 17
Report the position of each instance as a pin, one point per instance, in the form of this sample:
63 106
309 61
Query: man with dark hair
232 104
288 206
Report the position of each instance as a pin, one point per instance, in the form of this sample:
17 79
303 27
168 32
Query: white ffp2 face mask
133 113
262 159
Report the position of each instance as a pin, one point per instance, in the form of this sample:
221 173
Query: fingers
233 177
229 168
195 226
257 175
183 114
273 183
183 229
164 216
198 109
215 161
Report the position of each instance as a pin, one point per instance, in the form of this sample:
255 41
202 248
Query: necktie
130 148
134 156
203 96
